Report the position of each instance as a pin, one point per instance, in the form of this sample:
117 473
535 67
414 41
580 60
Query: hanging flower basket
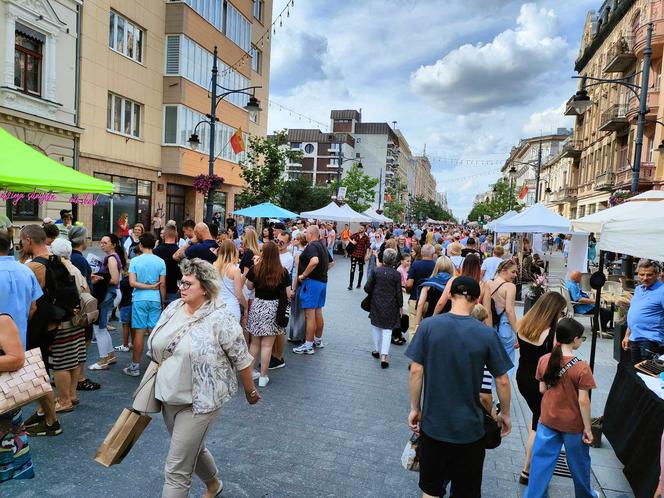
619 196
206 183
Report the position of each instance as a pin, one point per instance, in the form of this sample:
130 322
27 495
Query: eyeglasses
184 284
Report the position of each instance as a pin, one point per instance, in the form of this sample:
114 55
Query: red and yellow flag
237 142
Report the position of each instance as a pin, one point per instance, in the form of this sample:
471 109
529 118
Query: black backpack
495 316
61 291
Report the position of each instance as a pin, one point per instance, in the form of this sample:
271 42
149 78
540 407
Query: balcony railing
572 148
646 175
614 118
620 56
604 181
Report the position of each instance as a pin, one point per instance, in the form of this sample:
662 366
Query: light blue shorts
145 314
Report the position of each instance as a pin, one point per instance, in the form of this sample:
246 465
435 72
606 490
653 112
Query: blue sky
468 78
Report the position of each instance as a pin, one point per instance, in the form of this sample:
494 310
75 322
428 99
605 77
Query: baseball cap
465 286
279 226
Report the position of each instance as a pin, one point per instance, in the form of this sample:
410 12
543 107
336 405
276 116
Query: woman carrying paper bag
196 348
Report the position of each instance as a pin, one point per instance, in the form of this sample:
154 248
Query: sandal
60 409
112 361
524 477
76 402
400 341
98 366
87 385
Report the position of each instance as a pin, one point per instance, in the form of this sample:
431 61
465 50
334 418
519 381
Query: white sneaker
304 349
122 349
255 375
263 381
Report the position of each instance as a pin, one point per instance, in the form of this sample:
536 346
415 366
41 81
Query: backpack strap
568 365
49 279
496 289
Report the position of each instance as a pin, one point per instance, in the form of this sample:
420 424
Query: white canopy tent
536 219
380 218
509 214
635 227
633 209
332 212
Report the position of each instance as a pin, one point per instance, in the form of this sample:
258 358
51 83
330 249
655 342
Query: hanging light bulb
275 31
281 23
287 13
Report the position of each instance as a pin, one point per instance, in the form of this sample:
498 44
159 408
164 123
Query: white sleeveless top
228 296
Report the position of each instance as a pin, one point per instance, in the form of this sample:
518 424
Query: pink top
404 275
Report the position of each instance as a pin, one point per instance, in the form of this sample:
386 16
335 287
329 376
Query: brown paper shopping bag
124 433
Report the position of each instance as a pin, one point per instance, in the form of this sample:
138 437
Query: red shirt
123 228
362 244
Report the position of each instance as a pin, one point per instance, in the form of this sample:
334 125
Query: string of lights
470 177
299 115
265 37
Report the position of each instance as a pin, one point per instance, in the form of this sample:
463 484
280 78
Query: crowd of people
220 301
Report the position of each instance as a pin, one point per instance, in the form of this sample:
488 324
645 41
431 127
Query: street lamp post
581 101
340 161
253 107
539 169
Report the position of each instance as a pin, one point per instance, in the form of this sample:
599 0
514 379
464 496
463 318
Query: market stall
334 212
265 210
376 217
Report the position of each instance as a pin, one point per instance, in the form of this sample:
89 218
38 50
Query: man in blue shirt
645 318
449 353
202 245
147 276
19 288
586 304
418 272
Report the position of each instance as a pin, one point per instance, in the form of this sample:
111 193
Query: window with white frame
186 58
210 10
123 116
179 124
125 37
28 53
256 60
237 27
258 9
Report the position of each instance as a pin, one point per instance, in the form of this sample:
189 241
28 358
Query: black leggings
360 263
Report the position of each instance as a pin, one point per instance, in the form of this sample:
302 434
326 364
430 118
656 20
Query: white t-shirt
566 246
490 266
287 261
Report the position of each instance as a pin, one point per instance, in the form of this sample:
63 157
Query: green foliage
427 208
395 189
359 188
263 169
498 205
299 195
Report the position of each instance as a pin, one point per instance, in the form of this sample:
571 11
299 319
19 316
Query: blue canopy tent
265 210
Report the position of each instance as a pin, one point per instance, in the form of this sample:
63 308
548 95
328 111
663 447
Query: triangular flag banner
523 192
237 142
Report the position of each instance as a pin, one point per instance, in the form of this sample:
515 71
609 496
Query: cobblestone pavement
331 424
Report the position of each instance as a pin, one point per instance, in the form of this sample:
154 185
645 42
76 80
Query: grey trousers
187 453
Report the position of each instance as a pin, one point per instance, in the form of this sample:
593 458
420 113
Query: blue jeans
105 307
507 338
545 454
643 350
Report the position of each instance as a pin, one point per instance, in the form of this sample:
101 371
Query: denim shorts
145 314
125 315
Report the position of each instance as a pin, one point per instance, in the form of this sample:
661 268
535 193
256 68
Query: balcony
652 105
621 55
614 118
572 148
646 176
569 193
604 181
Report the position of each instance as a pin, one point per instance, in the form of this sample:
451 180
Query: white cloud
504 71
547 121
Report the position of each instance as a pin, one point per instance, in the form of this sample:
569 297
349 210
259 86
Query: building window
28 62
237 28
23 209
179 124
258 10
130 196
123 116
210 10
125 37
186 58
256 60
175 201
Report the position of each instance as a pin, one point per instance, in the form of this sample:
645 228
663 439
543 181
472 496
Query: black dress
529 356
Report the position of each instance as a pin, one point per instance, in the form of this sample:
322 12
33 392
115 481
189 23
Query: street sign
341 195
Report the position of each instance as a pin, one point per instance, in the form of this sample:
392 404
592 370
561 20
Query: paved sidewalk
329 425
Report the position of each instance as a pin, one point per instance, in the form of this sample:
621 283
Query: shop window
24 209
28 50
130 196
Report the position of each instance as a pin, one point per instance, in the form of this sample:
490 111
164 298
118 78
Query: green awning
24 169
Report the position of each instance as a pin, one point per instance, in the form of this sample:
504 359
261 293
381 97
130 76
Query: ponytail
567 331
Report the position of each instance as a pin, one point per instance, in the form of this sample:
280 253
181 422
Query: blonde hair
250 240
227 254
479 313
544 314
443 263
454 249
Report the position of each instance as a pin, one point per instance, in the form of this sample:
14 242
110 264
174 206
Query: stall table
633 423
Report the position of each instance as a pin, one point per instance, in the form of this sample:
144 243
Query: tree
427 208
498 205
299 195
263 169
395 207
359 188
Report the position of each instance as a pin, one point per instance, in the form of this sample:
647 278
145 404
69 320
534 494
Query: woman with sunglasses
565 382
200 345
535 333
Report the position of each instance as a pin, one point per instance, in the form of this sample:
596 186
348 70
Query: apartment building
145 76
39 94
425 183
612 47
320 154
557 174
523 160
